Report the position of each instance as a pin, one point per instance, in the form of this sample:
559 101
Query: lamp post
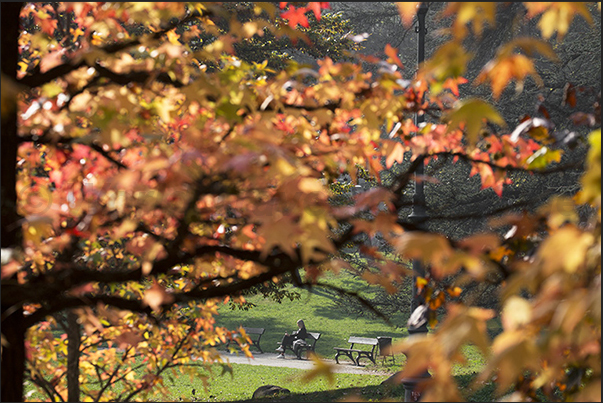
417 323
418 214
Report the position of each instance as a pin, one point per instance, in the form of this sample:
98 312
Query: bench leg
364 356
347 354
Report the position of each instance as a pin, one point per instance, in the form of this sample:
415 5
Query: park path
269 359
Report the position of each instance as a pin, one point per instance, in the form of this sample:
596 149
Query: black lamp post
418 214
417 323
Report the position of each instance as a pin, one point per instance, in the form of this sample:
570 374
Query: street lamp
418 214
417 324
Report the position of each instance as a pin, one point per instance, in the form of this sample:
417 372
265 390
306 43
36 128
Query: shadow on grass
379 393
366 393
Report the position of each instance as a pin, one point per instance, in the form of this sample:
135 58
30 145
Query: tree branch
45 139
36 78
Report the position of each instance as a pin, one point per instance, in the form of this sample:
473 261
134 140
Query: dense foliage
151 172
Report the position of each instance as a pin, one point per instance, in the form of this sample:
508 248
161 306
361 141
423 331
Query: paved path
269 359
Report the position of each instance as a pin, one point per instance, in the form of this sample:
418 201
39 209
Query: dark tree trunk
13 328
73 357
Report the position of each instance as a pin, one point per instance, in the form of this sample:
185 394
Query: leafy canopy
160 175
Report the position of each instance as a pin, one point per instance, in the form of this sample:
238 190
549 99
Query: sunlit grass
321 314
247 378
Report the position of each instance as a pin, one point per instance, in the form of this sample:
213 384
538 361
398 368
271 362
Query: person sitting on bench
288 339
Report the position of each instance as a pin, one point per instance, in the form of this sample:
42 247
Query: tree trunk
13 328
73 357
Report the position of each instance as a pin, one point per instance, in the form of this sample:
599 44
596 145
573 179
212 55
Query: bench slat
368 341
254 341
254 330
363 340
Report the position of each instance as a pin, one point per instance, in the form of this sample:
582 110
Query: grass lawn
321 314
247 378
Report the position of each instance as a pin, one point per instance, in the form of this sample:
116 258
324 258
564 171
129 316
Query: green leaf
543 157
471 115
51 89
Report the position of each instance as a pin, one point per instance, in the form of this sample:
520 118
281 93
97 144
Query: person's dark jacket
300 334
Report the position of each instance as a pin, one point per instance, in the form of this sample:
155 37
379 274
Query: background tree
172 186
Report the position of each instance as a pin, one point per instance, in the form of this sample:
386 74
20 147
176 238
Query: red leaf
569 95
296 16
48 24
315 7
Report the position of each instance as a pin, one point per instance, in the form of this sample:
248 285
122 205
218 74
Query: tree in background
153 180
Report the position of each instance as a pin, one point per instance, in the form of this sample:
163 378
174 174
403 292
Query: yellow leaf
474 13
37 229
321 368
516 313
173 37
22 66
591 180
559 211
557 16
501 71
310 185
421 283
432 249
472 114
283 167
449 61
131 376
564 250
514 353
126 227
249 29
530 46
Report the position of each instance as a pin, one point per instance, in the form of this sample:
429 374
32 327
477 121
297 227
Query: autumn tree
142 188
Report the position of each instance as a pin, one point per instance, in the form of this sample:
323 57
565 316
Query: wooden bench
251 332
309 345
360 353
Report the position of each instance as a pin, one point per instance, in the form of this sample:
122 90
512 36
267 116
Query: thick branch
36 78
46 139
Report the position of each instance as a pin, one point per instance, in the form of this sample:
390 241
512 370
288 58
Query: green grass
247 378
321 314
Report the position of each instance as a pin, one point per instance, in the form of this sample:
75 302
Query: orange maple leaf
296 16
453 84
396 155
407 11
392 53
